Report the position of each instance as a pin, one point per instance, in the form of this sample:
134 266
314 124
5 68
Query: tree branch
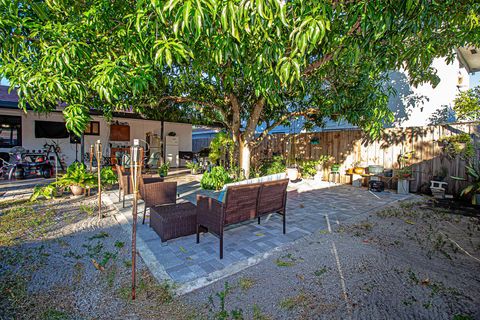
253 120
269 128
311 68
177 99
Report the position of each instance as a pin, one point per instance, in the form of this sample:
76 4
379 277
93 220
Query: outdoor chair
156 193
125 182
242 203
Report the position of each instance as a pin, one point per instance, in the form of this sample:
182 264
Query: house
32 131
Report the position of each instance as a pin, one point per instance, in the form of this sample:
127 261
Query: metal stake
98 148
135 153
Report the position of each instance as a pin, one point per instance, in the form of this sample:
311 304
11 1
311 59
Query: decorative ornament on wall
172 134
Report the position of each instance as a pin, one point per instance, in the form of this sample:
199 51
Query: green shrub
108 177
221 144
49 191
77 175
272 166
309 168
215 179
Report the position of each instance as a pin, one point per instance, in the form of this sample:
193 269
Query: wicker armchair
242 203
125 182
156 193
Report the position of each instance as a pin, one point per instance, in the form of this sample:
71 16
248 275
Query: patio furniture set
171 219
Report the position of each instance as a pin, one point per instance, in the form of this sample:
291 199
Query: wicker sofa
241 203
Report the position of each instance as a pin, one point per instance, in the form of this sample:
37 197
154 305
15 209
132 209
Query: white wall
138 130
413 106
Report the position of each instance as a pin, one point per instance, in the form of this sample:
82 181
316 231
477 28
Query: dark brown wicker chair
125 182
242 203
155 193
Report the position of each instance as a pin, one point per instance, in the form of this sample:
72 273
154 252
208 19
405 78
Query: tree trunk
244 158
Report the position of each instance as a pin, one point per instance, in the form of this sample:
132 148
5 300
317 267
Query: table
174 220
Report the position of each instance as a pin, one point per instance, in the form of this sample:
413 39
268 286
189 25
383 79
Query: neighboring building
202 136
32 130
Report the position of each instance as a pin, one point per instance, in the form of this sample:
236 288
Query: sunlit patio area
311 207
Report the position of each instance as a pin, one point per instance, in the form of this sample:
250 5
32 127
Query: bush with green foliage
215 179
77 175
194 166
222 144
108 177
458 145
309 168
163 169
48 192
275 165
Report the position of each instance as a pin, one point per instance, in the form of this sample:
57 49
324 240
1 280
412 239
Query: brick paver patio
310 208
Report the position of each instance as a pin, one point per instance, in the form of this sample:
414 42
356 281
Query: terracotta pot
358 170
292 174
77 190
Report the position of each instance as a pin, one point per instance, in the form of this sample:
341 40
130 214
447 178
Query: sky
475 79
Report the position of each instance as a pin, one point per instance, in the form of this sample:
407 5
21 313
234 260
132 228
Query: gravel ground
58 261
67 264
394 264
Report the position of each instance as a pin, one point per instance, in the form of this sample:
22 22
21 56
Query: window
51 130
10 131
93 128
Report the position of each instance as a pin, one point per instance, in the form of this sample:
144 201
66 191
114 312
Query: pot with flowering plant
404 173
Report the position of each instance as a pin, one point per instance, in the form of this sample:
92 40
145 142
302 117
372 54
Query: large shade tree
241 63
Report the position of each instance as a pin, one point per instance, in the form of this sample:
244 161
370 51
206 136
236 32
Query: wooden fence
350 146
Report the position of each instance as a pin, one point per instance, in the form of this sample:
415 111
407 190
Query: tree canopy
467 104
238 62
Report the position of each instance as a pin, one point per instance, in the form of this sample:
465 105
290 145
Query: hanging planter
315 140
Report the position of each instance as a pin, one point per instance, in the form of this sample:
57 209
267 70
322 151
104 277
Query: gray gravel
393 268
397 264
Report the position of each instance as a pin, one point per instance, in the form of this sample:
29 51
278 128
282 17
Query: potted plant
163 169
292 172
404 176
77 179
193 166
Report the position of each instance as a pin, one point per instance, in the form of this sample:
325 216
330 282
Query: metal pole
135 153
98 147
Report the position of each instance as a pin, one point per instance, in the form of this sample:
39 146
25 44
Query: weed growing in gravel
287 260
17 223
462 317
258 314
119 244
148 287
293 302
88 209
13 293
53 314
223 313
246 283
110 275
409 301
101 235
320 272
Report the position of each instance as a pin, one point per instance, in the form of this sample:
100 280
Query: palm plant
473 171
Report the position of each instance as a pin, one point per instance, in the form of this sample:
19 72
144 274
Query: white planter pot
292 174
403 186
318 176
